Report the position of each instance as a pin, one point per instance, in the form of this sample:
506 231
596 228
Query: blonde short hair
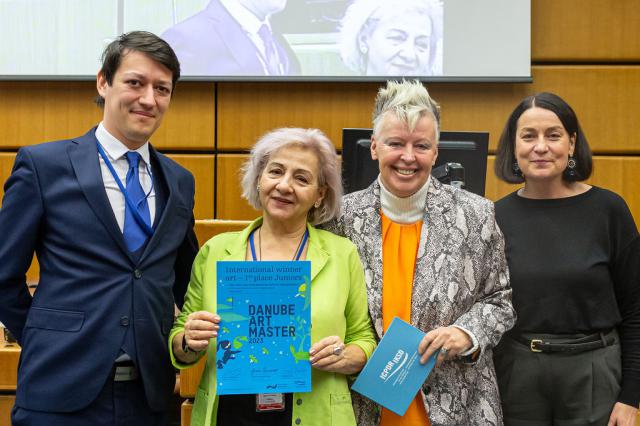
409 101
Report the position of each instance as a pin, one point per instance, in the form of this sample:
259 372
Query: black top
574 265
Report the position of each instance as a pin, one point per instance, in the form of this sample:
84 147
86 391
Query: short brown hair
137 41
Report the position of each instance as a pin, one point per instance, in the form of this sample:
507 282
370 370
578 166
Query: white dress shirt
250 25
116 151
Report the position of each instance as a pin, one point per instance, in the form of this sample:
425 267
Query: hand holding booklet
393 375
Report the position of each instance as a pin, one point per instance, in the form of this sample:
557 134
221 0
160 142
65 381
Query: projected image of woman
393 38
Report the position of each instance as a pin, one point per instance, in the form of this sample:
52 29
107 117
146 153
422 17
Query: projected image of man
234 38
401 38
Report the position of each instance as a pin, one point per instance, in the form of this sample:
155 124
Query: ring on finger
444 351
337 349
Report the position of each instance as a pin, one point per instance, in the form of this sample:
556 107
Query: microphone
451 173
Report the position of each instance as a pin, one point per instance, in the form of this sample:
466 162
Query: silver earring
364 49
258 188
570 171
317 204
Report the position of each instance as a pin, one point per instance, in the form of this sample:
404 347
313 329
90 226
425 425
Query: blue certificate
393 375
265 333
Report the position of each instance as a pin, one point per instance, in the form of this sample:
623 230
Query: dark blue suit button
124 321
137 273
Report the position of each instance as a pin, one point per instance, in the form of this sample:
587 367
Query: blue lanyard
146 228
305 237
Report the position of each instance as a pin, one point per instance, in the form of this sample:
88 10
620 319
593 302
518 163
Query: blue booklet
265 329
393 375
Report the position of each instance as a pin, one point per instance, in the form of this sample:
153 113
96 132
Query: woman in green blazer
293 176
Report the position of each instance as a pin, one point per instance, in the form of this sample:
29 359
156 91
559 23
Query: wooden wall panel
6 405
206 229
621 175
9 356
185 413
494 187
230 204
616 173
246 111
6 164
585 30
35 112
190 377
604 97
202 167
190 122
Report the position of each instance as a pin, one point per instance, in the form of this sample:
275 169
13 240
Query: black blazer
91 288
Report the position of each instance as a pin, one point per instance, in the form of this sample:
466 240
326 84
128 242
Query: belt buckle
533 342
125 373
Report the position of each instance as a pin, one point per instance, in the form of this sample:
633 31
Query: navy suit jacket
91 289
211 42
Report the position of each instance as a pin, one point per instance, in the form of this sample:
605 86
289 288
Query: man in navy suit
111 222
233 38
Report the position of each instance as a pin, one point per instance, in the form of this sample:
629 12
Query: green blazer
338 308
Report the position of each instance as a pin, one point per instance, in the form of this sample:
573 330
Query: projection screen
255 40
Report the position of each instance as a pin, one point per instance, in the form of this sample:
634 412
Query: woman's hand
623 415
450 340
330 354
199 328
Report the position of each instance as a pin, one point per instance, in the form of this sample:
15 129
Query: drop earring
571 167
516 169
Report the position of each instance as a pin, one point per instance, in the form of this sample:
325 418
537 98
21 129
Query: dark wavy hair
137 41
505 155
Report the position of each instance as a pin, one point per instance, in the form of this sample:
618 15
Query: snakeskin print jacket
461 278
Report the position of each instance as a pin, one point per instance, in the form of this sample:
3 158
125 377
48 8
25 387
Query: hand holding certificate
394 374
265 332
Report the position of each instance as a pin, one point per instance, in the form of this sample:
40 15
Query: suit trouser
118 404
559 389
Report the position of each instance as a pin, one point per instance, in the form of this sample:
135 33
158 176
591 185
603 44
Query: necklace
296 254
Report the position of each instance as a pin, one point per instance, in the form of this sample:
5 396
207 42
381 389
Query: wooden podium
9 355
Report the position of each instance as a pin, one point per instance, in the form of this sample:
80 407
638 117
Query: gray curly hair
329 175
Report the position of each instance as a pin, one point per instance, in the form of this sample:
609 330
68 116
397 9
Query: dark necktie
271 54
134 235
